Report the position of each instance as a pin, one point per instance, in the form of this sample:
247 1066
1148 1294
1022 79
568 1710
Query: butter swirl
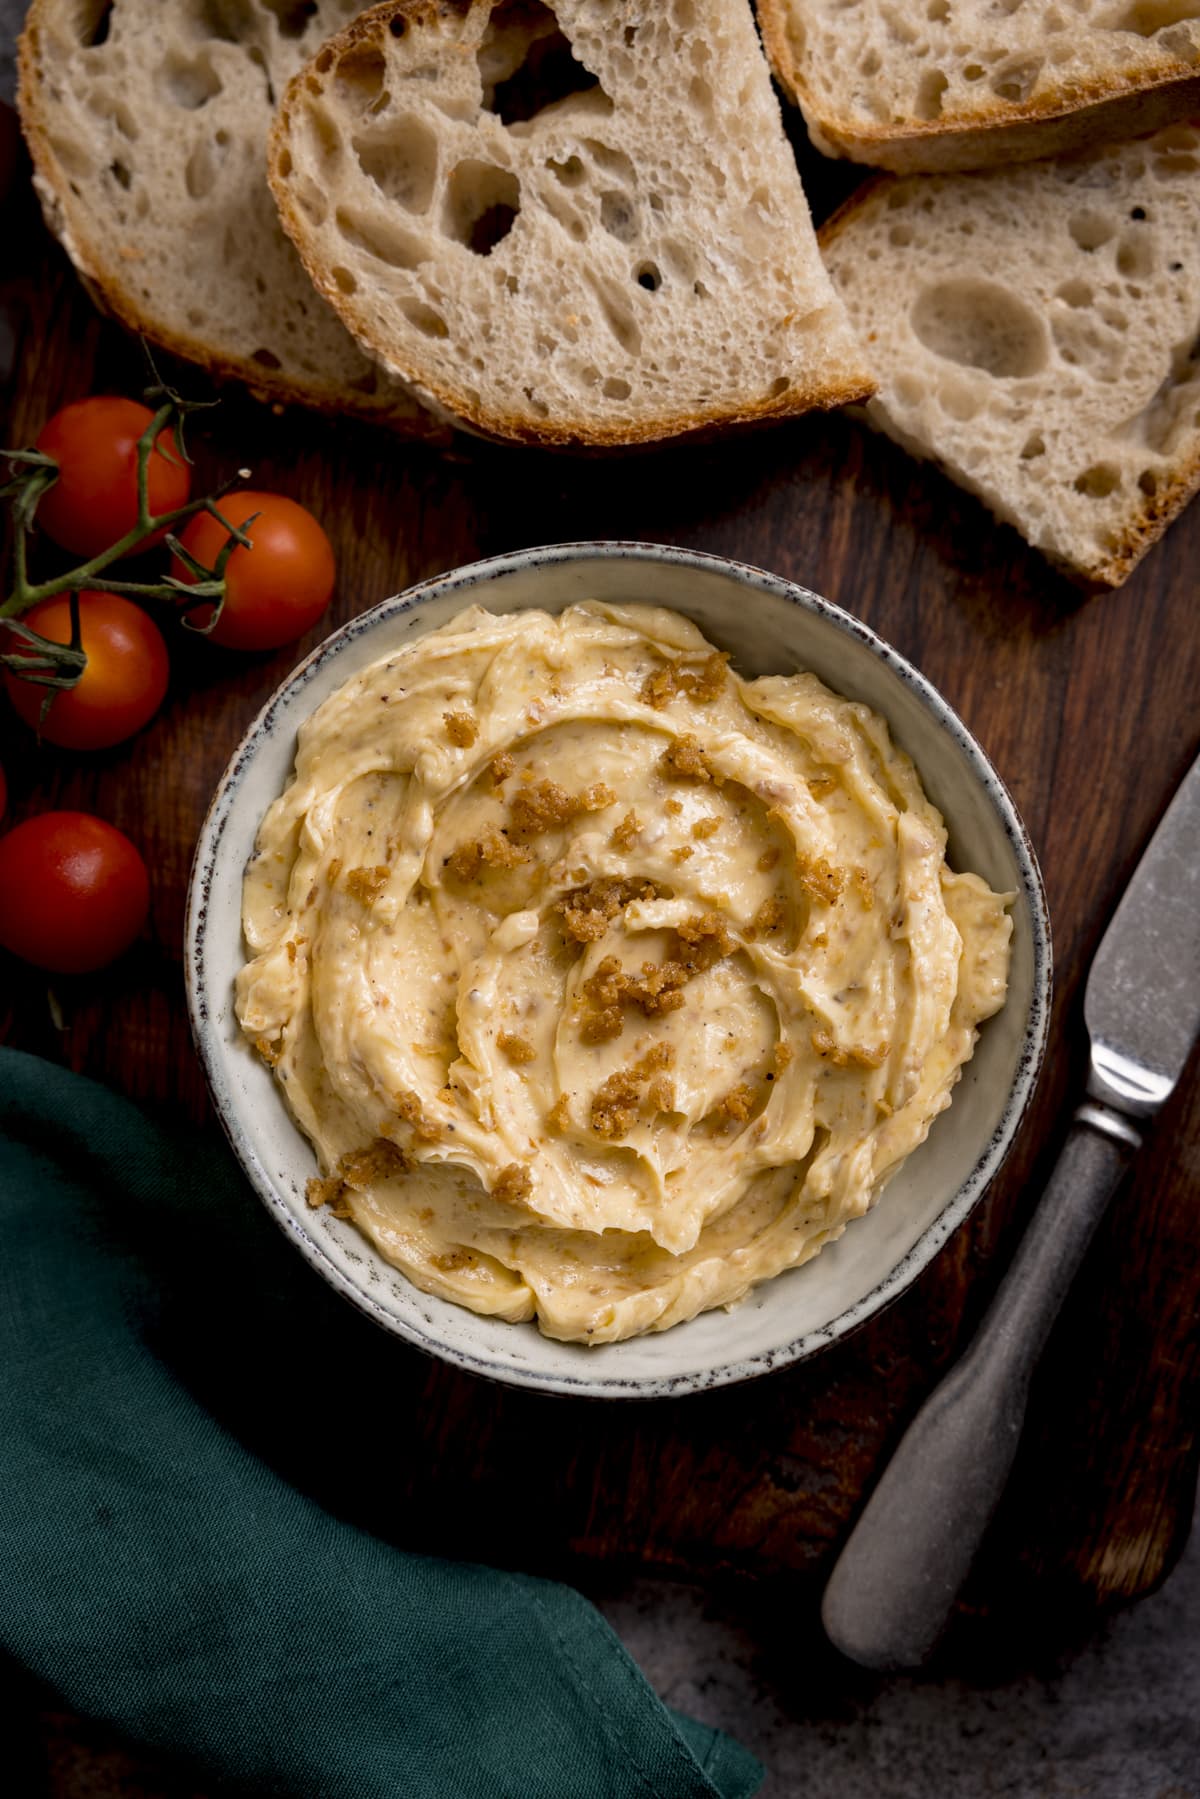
605 983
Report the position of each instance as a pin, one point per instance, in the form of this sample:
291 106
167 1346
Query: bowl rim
991 1158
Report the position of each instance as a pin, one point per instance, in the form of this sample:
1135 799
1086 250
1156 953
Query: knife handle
899 1573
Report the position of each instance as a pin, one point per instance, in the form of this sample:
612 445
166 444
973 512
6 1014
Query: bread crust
1157 511
453 403
65 220
1066 118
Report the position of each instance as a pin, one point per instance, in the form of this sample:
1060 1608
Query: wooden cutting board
1089 710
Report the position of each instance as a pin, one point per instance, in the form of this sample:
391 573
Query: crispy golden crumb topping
514 1183
685 760
625 833
366 884
491 849
769 917
660 1094
461 729
558 1118
658 986
588 911
735 1108
642 1086
819 878
828 1049
704 940
410 1111
702 685
357 1170
545 806
863 887
616 1104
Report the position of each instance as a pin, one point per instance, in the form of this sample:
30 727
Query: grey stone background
1116 1719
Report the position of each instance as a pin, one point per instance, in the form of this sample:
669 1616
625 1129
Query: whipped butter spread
605 983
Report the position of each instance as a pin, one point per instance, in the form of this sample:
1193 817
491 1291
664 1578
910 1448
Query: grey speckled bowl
770 626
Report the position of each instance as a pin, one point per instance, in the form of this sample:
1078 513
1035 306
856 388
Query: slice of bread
147 122
1036 330
578 227
961 84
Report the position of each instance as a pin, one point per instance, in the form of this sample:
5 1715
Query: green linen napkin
162 1576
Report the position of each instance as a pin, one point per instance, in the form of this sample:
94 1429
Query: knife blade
1142 1002
901 1569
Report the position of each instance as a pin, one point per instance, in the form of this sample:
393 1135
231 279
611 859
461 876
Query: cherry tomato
74 892
122 686
94 500
277 589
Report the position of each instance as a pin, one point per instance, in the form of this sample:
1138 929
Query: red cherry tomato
94 500
277 589
74 892
122 686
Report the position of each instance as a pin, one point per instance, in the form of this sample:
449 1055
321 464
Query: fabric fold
163 1576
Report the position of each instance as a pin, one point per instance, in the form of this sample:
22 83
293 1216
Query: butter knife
900 1571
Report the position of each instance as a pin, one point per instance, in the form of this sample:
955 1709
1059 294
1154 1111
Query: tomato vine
58 666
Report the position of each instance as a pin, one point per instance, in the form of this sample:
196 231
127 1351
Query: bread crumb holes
1099 481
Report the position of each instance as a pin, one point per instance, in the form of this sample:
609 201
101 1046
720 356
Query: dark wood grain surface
1089 710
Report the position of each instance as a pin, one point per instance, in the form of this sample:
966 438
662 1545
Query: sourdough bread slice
580 226
148 125
1036 330
960 84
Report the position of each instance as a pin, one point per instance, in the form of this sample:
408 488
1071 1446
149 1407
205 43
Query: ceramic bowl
770 626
